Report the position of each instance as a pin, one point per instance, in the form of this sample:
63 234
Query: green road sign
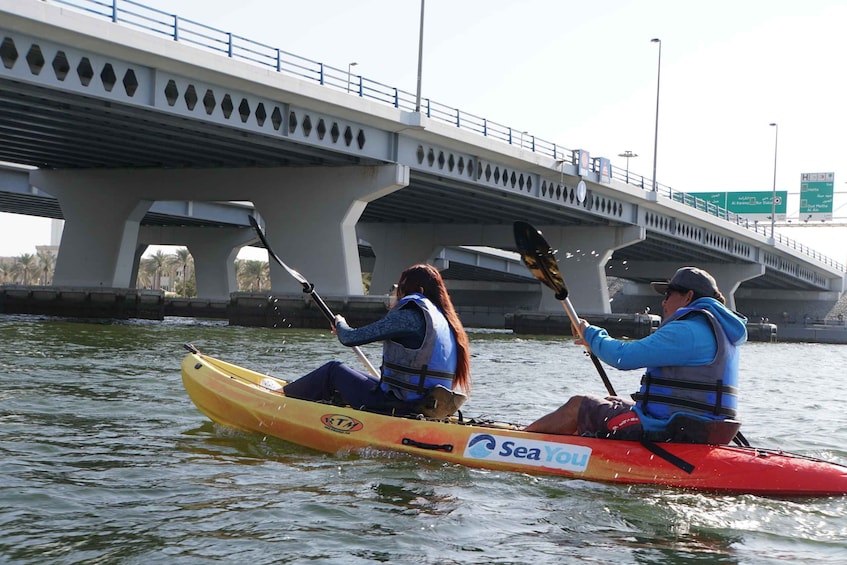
754 206
757 205
816 191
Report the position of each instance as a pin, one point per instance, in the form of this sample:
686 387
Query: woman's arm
406 325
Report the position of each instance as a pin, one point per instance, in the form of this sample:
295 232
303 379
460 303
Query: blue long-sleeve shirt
684 343
406 326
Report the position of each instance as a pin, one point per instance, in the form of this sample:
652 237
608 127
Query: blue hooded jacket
686 342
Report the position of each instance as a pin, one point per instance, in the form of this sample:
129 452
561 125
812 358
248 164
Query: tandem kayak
253 402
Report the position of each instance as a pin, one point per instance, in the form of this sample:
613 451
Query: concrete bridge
121 107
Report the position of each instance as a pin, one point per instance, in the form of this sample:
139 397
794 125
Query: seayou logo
520 451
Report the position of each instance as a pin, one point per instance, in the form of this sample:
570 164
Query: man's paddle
309 289
540 259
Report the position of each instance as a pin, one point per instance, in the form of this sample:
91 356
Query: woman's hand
338 319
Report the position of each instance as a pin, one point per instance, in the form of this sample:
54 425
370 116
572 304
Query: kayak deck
254 402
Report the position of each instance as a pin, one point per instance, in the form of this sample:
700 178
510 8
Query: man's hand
578 332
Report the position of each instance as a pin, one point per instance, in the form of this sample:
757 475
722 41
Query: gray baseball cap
689 278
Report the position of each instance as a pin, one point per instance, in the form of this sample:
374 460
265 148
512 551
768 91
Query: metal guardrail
172 26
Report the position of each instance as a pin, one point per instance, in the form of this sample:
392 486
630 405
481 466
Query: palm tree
5 270
24 267
47 262
154 267
181 262
252 274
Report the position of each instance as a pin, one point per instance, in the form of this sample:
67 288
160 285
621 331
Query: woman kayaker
691 377
424 345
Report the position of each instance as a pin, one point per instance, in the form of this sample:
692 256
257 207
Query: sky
584 75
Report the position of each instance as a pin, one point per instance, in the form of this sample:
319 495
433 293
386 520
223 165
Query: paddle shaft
575 323
309 288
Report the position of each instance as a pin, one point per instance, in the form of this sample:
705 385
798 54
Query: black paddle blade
539 258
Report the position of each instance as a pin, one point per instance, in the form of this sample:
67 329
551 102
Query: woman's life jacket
410 373
704 391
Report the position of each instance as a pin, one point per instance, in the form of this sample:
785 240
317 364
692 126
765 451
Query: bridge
121 108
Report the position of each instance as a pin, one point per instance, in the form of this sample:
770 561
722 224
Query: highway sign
757 205
816 191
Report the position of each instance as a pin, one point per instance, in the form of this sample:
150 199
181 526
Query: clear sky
583 75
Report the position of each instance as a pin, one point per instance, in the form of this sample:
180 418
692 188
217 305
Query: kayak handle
431 446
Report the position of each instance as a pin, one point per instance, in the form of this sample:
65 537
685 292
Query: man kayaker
691 375
424 345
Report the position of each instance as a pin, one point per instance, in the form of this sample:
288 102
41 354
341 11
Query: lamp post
656 133
628 154
420 61
773 196
349 67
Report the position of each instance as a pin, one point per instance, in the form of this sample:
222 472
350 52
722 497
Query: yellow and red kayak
253 402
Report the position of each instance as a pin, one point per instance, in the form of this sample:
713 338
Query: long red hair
426 280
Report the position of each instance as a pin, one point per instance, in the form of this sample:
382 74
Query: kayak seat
441 402
684 428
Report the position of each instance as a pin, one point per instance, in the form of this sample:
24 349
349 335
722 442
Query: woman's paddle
540 259
309 288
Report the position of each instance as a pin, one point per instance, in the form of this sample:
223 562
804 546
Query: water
105 460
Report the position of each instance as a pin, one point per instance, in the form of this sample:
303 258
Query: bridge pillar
396 247
314 222
100 236
214 251
729 276
582 256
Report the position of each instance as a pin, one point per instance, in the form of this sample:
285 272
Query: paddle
541 261
309 289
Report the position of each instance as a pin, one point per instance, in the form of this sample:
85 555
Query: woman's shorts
612 416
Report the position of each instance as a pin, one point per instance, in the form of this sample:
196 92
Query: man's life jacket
706 392
410 373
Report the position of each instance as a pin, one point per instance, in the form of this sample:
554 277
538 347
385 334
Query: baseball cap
689 278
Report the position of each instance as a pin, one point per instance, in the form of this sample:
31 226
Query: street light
349 67
420 61
628 154
773 196
656 133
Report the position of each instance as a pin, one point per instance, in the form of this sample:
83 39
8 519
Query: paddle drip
309 289
540 259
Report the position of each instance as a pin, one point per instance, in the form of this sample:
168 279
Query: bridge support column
729 276
100 236
312 224
398 246
582 256
214 251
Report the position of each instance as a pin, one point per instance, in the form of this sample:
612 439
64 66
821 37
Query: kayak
253 402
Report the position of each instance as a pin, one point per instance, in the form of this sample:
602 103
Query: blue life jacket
706 392
410 373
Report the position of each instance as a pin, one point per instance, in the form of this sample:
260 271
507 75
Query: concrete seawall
299 311
119 303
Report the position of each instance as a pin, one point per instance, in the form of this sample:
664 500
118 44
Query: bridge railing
136 14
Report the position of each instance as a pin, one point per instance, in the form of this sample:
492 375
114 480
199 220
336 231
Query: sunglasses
671 289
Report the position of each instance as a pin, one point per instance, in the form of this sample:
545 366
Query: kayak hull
253 402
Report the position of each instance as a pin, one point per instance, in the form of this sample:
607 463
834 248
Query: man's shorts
610 417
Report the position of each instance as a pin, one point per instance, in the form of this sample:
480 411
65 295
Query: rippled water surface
103 459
